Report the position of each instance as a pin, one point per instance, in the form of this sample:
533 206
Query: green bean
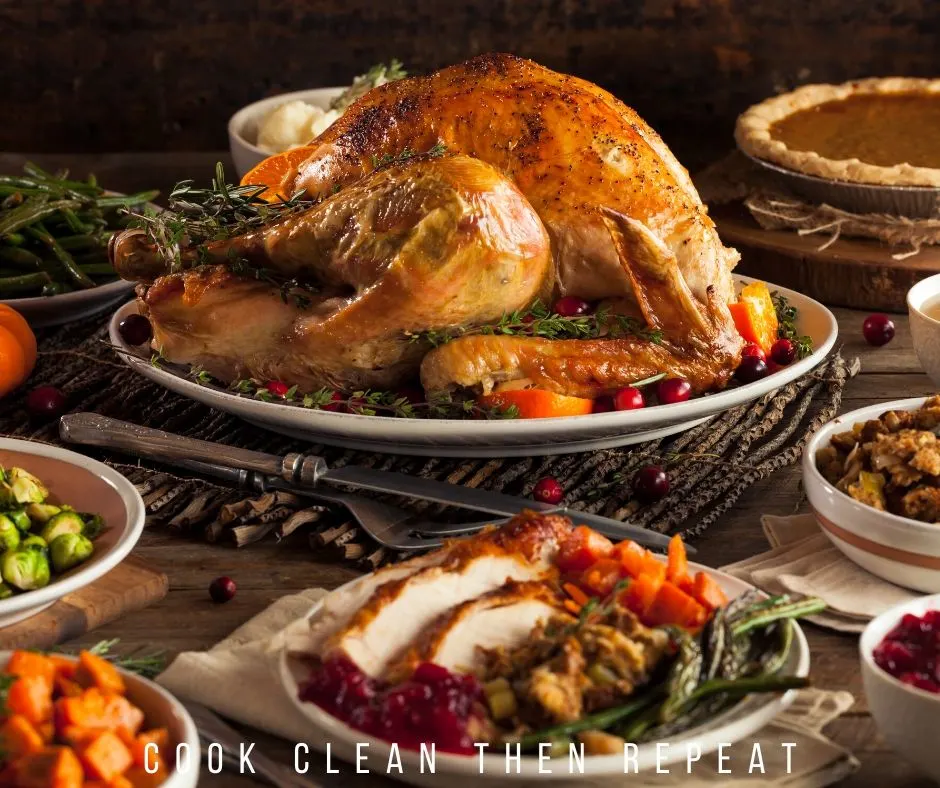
775 661
20 258
14 239
75 224
684 676
768 615
599 721
31 212
13 285
127 201
78 243
75 273
62 183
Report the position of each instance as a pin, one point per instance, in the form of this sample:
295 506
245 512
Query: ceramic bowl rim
916 298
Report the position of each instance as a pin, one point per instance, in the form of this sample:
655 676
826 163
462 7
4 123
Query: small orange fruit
538 404
16 324
277 172
13 367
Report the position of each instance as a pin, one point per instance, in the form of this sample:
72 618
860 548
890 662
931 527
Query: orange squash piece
538 403
755 317
707 591
18 737
31 663
673 606
677 563
31 696
51 767
93 671
105 756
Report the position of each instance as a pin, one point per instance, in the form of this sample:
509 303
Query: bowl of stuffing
872 477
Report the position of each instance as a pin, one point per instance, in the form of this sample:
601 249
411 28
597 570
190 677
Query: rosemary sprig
147 665
435 152
539 321
786 319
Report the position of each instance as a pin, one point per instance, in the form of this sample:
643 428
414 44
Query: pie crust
753 133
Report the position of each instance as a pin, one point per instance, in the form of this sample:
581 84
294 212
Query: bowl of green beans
54 234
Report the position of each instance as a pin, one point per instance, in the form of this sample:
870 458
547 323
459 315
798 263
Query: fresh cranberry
548 490
413 394
751 369
278 388
878 329
135 330
571 306
603 404
783 351
46 402
672 390
751 349
773 367
629 398
222 589
651 483
336 403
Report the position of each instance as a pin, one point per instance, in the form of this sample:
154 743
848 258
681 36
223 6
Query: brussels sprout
62 523
9 534
42 512
20 519
7 497
26 487
3 474
26 570
94 525
33 542
69 550
5 591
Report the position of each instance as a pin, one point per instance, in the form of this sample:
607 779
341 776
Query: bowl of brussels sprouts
65 520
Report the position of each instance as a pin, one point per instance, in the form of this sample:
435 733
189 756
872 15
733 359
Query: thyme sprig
196 215
435 152
539 321
786 320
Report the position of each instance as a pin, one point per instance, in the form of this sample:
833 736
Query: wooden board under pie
852 272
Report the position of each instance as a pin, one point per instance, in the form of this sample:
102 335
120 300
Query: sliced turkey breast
398 610
501 618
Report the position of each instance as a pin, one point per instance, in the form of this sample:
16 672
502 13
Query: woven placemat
710 465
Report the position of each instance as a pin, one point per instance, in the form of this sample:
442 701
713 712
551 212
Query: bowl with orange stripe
898 549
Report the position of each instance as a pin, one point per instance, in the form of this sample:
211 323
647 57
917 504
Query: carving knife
309 471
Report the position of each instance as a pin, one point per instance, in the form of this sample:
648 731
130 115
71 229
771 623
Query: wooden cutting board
852 272
130 586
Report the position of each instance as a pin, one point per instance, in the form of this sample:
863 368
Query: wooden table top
188 620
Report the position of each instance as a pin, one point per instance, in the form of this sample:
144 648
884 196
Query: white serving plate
491 438
161 710
45 311
243 125
734 725
900 550
88 486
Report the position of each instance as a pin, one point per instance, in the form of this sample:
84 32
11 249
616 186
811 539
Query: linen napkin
802 560
238 678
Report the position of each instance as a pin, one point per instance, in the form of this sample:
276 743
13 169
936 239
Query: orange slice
277 173
538 404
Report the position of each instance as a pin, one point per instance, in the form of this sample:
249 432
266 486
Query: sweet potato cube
65 687
51 767
31 696
31 663
137 776
18 737
156 736
96 709
93 671
105 757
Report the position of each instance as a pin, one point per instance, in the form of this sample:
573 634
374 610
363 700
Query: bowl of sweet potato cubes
81 722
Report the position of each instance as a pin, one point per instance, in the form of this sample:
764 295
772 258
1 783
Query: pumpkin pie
872 131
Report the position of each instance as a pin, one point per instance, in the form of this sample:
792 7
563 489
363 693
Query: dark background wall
107 75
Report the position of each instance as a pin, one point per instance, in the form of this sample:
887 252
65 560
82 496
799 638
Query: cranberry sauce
433 706
911 651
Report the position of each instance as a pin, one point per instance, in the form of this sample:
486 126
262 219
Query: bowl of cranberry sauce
900 656
434 706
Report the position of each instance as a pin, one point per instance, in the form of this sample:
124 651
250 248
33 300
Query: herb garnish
786 320
539 321
375 76
435 152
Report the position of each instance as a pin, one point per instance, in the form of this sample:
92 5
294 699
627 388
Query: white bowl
88 486
900 550
736 724
161 710
907 717
925 330
243 125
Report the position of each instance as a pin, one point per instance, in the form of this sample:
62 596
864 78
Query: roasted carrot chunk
673 606
582 548
19 737
31 696
31 663
707 591
640 594
93 671
677 564
602 576
105 756
51 767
